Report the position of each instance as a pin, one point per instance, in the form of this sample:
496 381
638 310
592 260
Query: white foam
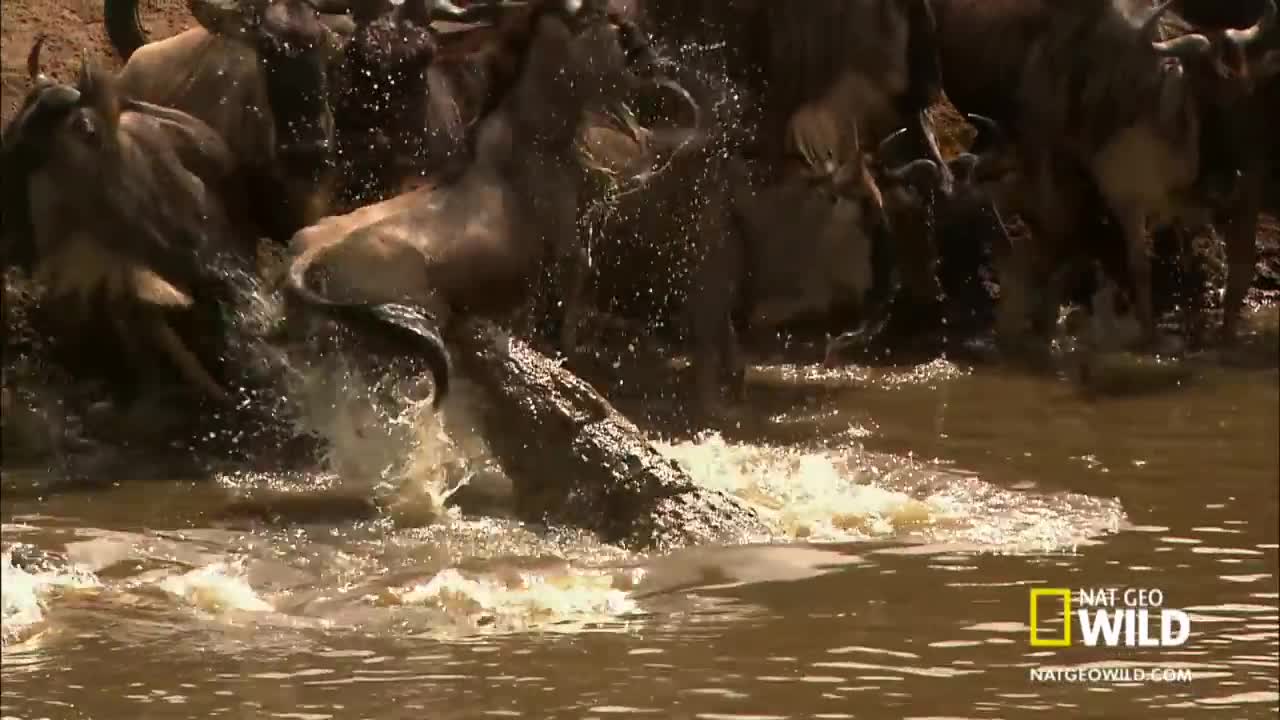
217 588
849 495
562 600
24 595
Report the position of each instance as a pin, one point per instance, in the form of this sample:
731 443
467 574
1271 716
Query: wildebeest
708 245
1245 61
877 57
473 244
123 210
1100 107
259 72
404 108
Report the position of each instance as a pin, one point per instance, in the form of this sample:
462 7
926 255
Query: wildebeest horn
408 324
33 64
85 75
666 83
964 167
921 173
989 131
1245 38
885 148
480 10
1184 47
187 363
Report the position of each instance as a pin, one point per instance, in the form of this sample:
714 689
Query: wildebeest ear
226 17
1269 66
98 90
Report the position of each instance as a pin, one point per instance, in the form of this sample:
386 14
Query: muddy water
907 531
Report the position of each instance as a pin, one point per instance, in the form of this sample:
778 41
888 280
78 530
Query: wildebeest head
1223 67
294 49
990 162
66 126
817 234
1232 61
395 39
574 54
113 206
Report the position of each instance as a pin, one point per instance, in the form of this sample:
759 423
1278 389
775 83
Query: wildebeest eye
84 125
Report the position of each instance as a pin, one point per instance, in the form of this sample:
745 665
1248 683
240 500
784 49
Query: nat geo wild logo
1110 617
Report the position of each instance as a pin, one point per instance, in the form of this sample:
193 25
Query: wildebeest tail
123 21
408 325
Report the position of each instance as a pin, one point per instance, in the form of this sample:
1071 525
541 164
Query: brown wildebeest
473 244
877 59
701 243
1245 65
401 115
1099 106
259 72
124 212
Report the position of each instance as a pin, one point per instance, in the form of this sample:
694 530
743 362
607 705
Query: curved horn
123 22
1184 47
963 167
665 83
922 173
485 11
986 153
188 365
989 131
886 146
1245 38
38 78
412 326
84 77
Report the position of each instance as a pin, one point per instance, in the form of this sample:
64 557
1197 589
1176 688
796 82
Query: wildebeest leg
1135 240
1013 271
120 322
1049 303
188 365
1191 287
1242 253
718 284
571 268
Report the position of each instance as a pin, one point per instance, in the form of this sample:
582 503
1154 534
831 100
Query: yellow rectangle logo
1065 640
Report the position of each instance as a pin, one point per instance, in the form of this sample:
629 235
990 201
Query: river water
911 512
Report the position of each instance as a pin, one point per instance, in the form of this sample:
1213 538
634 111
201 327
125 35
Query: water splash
219 588
848 495
25 595
383 439
563 600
